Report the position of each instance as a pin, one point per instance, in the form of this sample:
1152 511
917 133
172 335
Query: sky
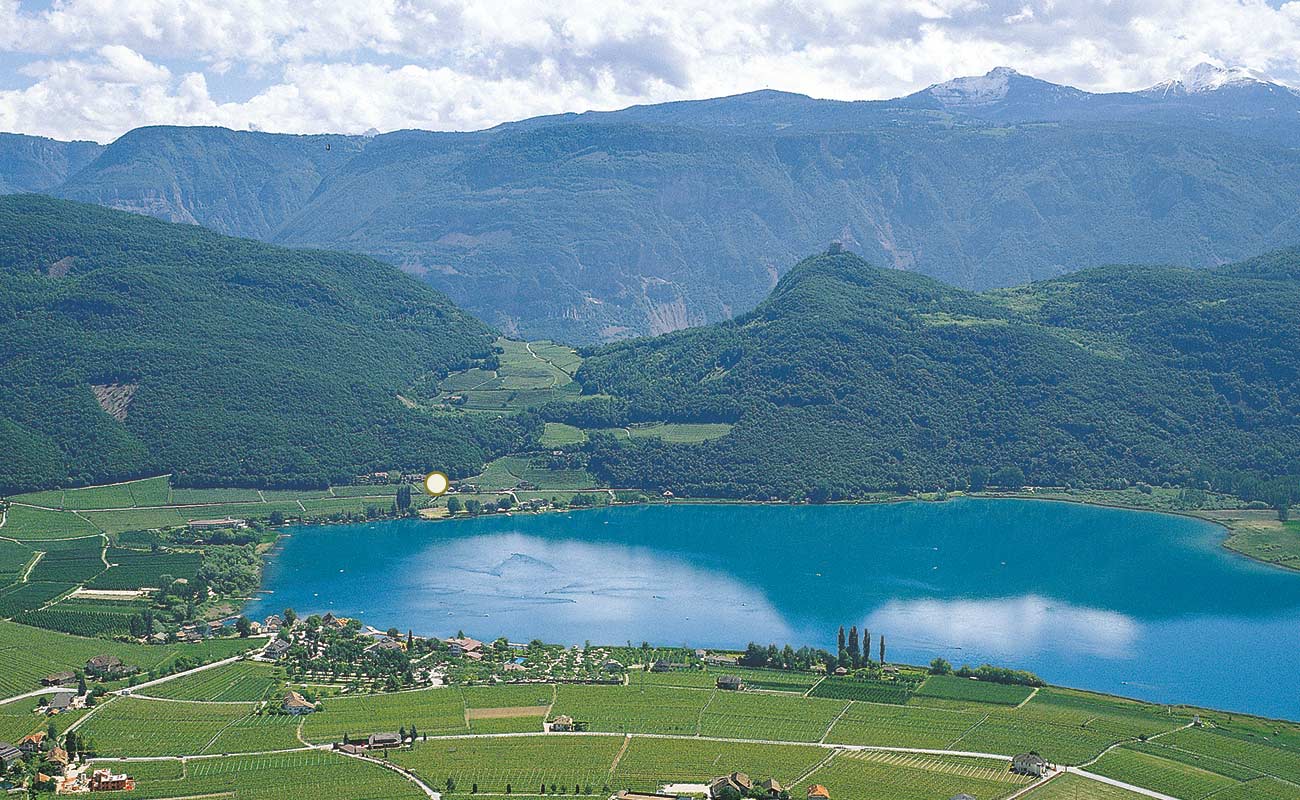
94 69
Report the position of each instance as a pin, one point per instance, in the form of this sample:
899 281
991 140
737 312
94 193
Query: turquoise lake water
1140 604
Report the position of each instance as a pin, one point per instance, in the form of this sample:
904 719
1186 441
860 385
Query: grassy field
22 522
28 654
242 680
765 679
677 432
779 717
530 374
557 434
280 776
509 472
1260 535
902 726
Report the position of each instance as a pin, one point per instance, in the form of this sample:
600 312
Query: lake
1140 604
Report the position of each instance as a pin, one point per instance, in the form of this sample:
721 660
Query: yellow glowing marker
435 483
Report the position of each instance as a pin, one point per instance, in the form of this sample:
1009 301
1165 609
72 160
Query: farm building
382 741
562 724
626 795
59 678
32 742
771 787
276 648
818 792
9 754
59 701
730 682
103 780
1029 764
209 524
296 704
466 647
107 666
737 781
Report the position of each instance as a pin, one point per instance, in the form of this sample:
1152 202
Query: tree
244 627
840 643
979 479
940 666
290 617
276 519
453 505
403 497
882 649
472 507
1009 478
855 652
866 646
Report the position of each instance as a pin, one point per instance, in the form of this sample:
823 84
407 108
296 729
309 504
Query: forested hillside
850 379
132 346
601 226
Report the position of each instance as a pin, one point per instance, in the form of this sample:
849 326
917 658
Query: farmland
1073 787
242 680
281 776
948 687
1180 780
523 763
431 711
128 726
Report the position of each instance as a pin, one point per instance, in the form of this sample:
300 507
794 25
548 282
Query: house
626 795
59 701
730 682
387 644
31 743
465 646
1029 764
103 780
276 648
9 754
59 678
661 666
962 796
565 724
818 792
272 623
210 524
216 628
739 782
58 757
721 660
841 671
106 667
383 741
350 749
771 787
331 621
296 704
612 666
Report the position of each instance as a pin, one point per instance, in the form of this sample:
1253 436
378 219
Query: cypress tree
855 653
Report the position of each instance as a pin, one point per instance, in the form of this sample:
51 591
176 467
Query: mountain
599 226
850 379
37 164
130 346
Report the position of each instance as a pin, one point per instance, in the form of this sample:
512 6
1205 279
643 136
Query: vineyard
240 681
1181 780
648 762
866 690
898 776
787 718
127 726
20 597
525 764
431 711
902 726
634 709
948 687
281 776
134 569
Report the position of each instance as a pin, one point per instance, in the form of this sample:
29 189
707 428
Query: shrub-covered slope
849 379
129 345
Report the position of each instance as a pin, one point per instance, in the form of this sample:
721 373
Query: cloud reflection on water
1010 626
611 592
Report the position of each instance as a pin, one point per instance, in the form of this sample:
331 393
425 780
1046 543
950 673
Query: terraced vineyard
128 726
432 712
242 680
907 776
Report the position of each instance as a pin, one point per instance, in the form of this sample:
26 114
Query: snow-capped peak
1206 77
978 90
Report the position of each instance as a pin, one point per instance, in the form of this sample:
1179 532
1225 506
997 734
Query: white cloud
96 68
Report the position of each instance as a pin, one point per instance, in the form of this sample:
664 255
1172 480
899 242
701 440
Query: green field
144 492
558 434
509 472
530 374
778 717
242 680
902 726
22 522
676 432
281 776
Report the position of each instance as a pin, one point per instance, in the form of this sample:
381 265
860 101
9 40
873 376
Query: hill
600 226
850 379
131 346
